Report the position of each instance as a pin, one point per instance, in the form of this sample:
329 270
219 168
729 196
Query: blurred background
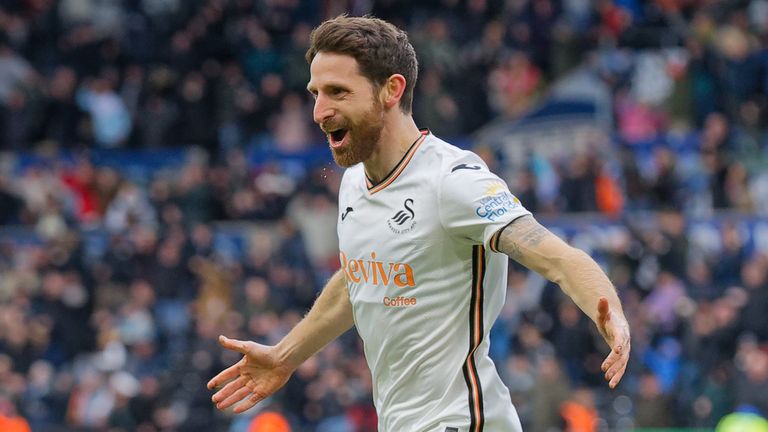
161 183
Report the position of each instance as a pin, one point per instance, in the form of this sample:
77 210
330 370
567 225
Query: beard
362 137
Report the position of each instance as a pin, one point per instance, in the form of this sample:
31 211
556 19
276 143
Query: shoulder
463 176
456 167
449 159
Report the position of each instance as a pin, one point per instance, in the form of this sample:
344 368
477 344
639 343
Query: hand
254 378
615 331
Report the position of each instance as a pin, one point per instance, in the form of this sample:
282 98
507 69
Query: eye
337 91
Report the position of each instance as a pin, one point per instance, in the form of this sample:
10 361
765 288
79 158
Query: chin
344 158
360 145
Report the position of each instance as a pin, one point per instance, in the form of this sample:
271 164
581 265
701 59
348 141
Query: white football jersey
426 285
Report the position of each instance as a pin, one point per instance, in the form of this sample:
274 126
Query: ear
393 90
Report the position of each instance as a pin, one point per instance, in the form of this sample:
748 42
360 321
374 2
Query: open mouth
337 137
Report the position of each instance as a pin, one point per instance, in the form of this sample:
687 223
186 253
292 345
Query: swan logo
404 220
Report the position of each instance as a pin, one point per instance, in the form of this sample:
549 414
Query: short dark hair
380 48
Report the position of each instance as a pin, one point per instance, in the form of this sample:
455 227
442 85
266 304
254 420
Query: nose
323 111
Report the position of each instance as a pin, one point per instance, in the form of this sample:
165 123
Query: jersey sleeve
475 203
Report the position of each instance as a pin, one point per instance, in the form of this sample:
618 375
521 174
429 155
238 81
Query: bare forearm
532 245
330 317
584 281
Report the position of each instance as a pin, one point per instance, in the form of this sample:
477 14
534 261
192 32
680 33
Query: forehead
331 68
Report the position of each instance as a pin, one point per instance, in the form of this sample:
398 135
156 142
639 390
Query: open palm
252 379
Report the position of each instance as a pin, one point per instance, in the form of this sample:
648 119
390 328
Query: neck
397 136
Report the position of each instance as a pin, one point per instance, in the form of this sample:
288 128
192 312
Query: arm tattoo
513 252
534 236
521 233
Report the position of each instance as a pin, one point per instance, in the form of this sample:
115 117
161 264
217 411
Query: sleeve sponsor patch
496 202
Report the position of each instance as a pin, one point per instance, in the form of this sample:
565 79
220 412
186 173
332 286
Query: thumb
603 311
233 344
604 319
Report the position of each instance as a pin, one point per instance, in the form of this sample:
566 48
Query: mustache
333 125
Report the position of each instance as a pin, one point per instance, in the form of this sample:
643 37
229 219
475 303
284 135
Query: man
423 229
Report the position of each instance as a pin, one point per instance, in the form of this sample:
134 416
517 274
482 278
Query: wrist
284 356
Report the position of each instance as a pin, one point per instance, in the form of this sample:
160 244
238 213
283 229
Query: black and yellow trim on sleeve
493 245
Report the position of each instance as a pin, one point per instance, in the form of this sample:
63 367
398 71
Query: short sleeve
475 203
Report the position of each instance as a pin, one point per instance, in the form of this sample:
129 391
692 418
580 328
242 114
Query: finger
620 363
248 403
614 355
224 376
233 344
616 364
235 397
228 389
616 378
609 360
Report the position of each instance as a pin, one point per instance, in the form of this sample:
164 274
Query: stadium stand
161 182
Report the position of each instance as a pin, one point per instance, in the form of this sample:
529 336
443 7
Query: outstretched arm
265 369
579 276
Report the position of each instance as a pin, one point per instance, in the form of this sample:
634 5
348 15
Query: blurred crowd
113 293
123 334
687 79
114 286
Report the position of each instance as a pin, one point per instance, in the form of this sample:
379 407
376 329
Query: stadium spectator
70 292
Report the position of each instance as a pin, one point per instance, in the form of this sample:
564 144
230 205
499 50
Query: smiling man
425 234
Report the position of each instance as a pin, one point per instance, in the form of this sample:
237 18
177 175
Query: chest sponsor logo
371 271
398 302
404 220
496 202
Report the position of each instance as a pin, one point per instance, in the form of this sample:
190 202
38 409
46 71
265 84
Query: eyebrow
339 86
